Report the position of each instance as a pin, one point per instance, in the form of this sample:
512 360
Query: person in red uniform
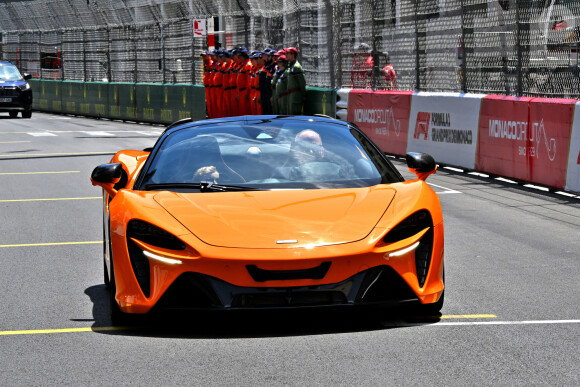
213 71
257 65
389 75
226 83
362 67
243 82
219 87
206 75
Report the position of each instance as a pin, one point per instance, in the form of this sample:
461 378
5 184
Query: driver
207 174
307 148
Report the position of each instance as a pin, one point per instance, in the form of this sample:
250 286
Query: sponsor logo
422 125
441 130
522 131
379 116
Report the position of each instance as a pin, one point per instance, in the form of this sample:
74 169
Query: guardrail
144 102
534 140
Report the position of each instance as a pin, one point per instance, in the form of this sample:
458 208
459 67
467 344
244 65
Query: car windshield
9 72
266 154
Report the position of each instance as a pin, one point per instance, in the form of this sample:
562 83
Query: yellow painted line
52 244
12 142
35 173
64 330
452 316
48 199
58 154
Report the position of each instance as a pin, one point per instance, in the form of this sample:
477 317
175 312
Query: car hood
279 219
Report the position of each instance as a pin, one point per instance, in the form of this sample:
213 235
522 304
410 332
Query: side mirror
106 176
26 76
421 164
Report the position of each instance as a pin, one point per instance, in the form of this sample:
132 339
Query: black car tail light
153 235
412 225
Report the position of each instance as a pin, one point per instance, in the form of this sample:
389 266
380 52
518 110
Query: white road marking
447 190
473 323
41 134
97 133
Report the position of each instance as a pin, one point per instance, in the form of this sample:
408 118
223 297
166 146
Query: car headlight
413 225
24 87
153 235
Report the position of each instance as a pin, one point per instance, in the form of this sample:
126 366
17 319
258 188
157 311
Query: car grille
377 286
9 91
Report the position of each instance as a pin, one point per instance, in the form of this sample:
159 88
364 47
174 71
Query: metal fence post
417 59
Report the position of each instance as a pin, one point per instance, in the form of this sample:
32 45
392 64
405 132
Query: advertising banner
526 139
445 125
383 116
573 172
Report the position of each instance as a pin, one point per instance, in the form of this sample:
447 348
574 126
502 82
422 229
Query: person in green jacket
280 82
296 89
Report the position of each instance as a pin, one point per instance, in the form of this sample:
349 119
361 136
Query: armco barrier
445 125
154 103
320 101
526 138
383 116
342 96
535 140
573 170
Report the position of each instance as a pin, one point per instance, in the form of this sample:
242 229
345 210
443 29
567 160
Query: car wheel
117 316
27 114
13 114
106 241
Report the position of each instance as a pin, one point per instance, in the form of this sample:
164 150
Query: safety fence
505 47
144 102
535 140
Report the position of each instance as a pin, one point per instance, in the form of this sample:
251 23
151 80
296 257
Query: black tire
27 114
117 316
106 241
13 114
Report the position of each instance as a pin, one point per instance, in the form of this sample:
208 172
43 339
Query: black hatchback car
15 92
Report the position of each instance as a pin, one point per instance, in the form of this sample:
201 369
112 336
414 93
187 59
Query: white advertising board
445 125
199 28
573 170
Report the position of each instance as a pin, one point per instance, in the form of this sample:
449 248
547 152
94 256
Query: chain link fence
511 47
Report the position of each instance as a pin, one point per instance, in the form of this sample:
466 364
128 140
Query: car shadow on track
251 323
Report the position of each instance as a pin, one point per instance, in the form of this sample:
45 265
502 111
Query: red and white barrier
445 126
383 116
536 140
573 172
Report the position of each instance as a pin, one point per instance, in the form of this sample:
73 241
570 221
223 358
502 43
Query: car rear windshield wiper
203 187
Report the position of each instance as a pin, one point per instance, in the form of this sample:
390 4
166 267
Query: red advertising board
525 138
383 116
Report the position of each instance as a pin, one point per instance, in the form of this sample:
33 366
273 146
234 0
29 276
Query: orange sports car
268 212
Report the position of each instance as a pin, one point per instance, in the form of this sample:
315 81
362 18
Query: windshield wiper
202 187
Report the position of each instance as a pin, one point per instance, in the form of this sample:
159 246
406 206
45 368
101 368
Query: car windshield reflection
266 155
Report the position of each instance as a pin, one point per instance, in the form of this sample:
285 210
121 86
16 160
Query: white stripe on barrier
445 125
573 171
